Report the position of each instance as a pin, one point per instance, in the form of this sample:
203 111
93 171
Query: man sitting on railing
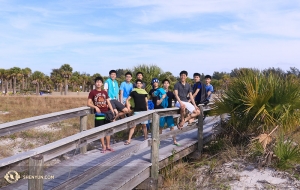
111 86
99 100
181 90
140 101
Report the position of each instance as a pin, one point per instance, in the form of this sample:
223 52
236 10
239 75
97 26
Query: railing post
200 130
155 151
83 127
36 169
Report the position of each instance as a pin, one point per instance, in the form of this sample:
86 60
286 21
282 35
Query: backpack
203 96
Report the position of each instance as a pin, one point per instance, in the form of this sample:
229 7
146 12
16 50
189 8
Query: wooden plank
131 184
72 142
24 124
155 150
177 132
36 168
96 170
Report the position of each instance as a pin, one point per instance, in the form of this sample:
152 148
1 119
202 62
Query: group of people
114 102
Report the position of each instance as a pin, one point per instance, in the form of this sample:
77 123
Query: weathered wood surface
72 142
155 150
36 168
24 124
128 173
83 127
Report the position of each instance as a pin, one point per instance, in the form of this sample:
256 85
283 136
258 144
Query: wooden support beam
155 150
200 130
83 127
36 170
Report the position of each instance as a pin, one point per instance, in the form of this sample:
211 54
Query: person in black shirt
140 101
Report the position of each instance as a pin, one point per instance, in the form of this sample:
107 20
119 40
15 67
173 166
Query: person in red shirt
99 100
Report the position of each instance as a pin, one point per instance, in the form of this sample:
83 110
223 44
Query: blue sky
200 35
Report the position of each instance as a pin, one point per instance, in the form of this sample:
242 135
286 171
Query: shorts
188 106
167 119
136 113
103 118
124 101
117 105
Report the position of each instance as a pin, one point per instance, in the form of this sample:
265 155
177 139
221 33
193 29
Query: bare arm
176 96
91 104
192 99
195 94
162 98
121 96
127 102
110 106
146 99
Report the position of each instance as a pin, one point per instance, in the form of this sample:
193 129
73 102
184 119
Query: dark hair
207 76
139 73
112 71
183 72
138 80
98 78
197 75
165 81
128 73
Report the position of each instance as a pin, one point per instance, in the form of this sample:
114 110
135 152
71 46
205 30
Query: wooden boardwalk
128 172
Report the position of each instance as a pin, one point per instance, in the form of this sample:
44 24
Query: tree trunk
66 86
10 85
26 83
61 89
83 86
2 84
6 86
23 80
14 85
37 88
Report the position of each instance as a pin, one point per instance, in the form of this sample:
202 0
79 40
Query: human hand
97 110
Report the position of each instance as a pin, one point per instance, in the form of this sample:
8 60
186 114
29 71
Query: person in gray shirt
181 90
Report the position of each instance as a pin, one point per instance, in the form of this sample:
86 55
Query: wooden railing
80 140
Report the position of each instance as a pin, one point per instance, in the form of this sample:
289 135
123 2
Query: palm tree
15 72
26 74
2 73
149 72
259 101
84 78
37 78
66 72
57 79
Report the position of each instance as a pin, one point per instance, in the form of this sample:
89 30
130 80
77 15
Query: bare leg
130 134
174 137
103 144
145 131
107 141
182 113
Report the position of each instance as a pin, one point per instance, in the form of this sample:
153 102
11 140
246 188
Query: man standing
99 100
181 90
140 100
125 88
139 75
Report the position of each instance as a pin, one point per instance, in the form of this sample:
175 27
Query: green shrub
287 153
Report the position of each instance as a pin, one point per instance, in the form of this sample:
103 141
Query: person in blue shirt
209 88
125 88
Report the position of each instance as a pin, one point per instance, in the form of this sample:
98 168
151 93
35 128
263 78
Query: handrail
57 148
24 124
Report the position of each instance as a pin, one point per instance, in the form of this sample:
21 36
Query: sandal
110 149
103 150
176 144
127 143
